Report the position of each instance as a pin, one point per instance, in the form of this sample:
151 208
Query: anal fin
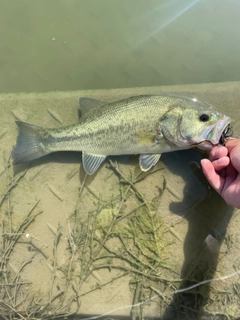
147 161
91 162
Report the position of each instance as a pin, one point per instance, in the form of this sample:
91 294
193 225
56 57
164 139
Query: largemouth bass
145 125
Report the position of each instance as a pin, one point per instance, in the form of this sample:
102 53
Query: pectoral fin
147 161
144 138
91 162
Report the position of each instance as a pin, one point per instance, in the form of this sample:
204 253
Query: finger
212 176
235 157
221 163
231 175
232 143
218 152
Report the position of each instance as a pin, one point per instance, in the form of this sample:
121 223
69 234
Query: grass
132 240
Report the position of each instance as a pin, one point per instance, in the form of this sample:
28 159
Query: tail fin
29 146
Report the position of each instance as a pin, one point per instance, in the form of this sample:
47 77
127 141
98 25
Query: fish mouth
205 145
216 134
227 133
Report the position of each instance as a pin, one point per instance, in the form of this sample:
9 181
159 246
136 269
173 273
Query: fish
148 125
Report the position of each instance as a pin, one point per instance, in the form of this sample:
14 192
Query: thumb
235 157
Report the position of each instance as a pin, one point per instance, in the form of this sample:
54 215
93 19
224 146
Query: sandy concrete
188 213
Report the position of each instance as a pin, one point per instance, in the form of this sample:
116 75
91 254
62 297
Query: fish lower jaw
206 145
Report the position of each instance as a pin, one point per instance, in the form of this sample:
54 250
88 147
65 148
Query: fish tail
29 143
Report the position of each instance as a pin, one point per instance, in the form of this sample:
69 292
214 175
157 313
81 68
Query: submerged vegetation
129 242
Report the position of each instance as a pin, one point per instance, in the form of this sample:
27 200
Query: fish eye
204 117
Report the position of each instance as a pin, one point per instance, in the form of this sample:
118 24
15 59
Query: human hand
223 171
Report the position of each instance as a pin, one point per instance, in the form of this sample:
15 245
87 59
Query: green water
180 231
88 44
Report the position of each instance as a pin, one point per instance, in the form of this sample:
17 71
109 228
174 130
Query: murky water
87 44
120 243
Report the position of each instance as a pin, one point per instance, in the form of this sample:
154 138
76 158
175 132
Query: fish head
197 125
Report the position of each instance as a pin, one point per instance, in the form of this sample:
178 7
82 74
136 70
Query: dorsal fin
87 104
